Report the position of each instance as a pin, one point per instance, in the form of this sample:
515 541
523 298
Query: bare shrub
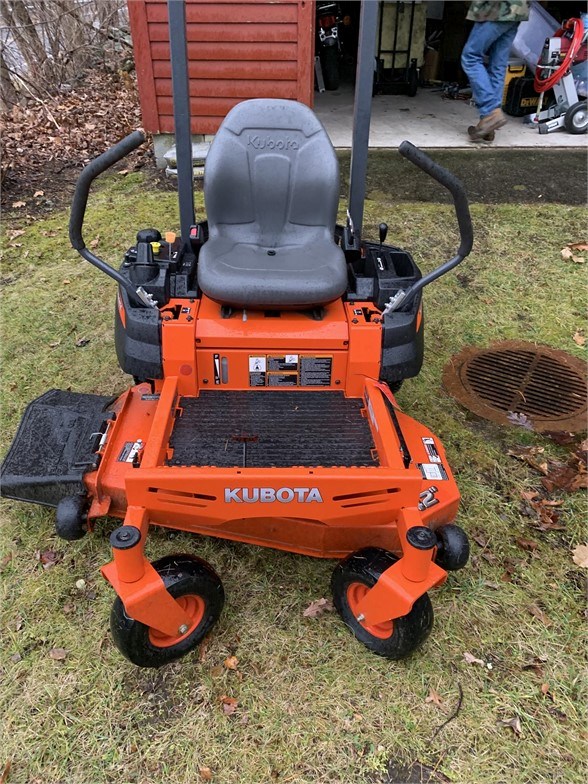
47 46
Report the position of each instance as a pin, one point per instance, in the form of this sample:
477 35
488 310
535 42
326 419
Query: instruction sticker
282 379
287 362
290 370
315 371
433 471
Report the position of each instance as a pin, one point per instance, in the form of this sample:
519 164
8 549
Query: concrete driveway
427 120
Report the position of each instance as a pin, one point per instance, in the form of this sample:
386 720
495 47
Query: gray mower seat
271 187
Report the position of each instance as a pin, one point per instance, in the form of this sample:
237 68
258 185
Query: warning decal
290 370
129 451
432 452
433 471
257 367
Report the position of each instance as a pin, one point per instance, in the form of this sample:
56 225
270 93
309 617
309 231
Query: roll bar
78 211
464 221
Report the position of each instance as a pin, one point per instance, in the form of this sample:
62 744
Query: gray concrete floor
427 120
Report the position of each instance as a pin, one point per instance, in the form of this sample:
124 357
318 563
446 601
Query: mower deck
263 429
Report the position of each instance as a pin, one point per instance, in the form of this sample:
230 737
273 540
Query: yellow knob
156 247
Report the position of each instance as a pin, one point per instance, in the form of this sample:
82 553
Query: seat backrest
271 174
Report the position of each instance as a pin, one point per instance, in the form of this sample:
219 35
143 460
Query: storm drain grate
546 385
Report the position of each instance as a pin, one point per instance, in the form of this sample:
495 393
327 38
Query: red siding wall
237 49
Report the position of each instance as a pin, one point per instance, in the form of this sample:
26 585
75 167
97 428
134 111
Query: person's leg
482 37
498 61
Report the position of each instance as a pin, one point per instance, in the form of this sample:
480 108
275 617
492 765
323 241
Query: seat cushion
271 187
246 275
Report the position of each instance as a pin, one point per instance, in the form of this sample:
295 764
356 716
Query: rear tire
200 590
395 639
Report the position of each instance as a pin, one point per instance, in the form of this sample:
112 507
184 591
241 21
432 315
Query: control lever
383 229
383 232
464 221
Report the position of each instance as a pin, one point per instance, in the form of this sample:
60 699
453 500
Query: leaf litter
318 608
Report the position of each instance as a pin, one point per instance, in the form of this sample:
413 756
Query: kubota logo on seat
267 495
266 142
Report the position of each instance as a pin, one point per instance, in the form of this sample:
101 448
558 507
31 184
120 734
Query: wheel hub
355 593
192 605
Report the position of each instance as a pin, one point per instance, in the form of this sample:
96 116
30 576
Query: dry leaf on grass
37 194
570 476
5 561
203 650
527 454
318 608
514 724
563 438
231 663
18 204
205 773
6 772
527 544
579 338
578 245
229 705
558 714
536 665
58 654
434 697
567 253
48 558
538 613
470 659
580 555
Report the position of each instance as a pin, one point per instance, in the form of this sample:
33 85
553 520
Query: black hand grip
89 173
453 185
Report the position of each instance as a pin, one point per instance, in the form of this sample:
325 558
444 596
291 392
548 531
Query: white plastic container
531 35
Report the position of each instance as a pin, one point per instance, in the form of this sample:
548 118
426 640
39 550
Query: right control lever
462 212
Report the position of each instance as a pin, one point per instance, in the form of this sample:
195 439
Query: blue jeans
492 40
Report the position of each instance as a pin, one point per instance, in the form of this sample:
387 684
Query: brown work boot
491 122
488 137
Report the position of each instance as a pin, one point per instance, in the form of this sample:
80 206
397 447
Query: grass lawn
313 704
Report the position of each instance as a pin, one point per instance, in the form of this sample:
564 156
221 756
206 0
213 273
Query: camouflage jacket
499 11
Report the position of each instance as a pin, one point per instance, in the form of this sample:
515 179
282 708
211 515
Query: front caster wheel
352 579
453 547
198 590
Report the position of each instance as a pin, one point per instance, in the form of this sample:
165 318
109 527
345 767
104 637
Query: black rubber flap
272 429
54 447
